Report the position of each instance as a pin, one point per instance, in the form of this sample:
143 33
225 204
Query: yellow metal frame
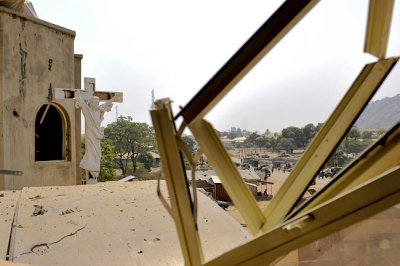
378 27
181 208
360 203
366 187
327 139
227 172
382 156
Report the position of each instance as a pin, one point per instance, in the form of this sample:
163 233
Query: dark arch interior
48 135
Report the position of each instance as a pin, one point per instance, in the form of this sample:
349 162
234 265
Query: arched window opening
50 134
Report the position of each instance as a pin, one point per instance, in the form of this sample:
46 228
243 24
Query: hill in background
382 113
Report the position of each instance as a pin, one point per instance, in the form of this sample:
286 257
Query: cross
93 111
90 90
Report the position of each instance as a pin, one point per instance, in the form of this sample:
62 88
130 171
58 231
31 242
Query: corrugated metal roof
154 155
215 179
200 175
249 175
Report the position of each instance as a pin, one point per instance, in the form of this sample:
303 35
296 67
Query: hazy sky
174 47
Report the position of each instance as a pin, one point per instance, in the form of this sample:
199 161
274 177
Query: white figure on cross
94 115
93 112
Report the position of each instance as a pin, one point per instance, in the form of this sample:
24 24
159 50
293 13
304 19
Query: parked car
261 166
330 172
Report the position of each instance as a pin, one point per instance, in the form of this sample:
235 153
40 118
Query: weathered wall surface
78 78
374 241
34 54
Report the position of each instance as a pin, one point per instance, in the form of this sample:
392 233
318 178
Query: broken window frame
284 228
66 132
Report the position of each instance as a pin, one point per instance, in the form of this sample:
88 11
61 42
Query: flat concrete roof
8 203
109 223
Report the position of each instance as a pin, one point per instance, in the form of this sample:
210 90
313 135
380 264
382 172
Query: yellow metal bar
44 114
378 27
233 183
358 204
326 140
173 169
381 157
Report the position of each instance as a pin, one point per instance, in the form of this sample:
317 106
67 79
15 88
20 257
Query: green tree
366 135
308 133
273 143
251 140
130 139
107 164
354 146
146 159
295 134
287 144
338 158
354 133
190 142
232 135
318 127
379 133
262 142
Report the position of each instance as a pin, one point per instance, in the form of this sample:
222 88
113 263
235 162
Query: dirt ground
277 178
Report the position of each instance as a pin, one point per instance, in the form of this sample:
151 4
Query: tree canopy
290 138
107 172
130 139
190 142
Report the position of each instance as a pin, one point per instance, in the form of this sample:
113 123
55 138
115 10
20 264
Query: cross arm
63 93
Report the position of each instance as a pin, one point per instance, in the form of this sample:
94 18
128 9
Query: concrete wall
34 54
78 78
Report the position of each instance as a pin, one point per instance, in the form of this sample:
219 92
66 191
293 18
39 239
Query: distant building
228 143
156 159
239 140
201 179
219 192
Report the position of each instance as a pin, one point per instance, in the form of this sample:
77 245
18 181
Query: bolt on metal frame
367 186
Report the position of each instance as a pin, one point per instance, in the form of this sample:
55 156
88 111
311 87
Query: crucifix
93 112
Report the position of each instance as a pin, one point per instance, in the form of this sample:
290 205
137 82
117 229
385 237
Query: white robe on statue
94 115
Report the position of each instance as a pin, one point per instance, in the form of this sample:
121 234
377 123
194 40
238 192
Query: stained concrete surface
112 224
8 203
36 57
